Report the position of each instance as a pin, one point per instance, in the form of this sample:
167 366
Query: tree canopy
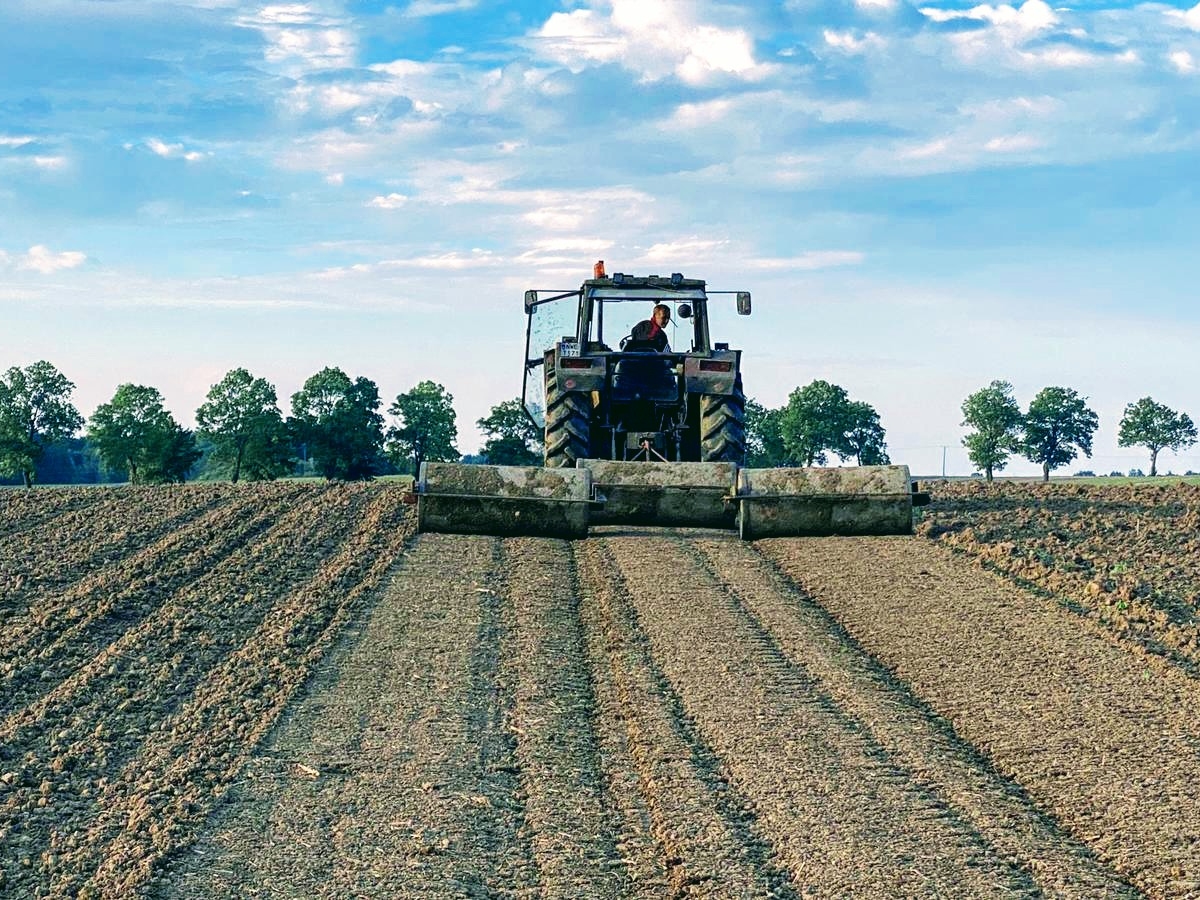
1156 427
242 421
35 412
994 414
1057 428
864 437
426 428
512 439
764 437
820 418
135 432
338 422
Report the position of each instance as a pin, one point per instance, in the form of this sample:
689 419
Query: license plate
568 348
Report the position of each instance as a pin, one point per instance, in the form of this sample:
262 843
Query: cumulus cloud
41 259
172 151
391 201
1183 61
849 42
655 40
1189 18
14 140
300 38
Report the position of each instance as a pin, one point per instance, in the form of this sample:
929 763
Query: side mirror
530 301
743 303
684 310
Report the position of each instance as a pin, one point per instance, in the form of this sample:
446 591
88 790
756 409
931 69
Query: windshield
614 320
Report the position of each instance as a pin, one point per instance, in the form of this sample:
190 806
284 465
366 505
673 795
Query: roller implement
647 435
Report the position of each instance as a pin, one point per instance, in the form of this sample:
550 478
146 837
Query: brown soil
272 691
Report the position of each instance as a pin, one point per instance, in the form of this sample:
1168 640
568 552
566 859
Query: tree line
1058 426
337 429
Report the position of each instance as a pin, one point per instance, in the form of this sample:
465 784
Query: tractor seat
650 378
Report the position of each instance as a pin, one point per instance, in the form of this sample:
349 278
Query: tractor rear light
575 362
716 365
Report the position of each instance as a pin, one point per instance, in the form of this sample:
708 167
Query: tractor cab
641 399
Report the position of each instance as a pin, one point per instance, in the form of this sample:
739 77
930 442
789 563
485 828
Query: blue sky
922 198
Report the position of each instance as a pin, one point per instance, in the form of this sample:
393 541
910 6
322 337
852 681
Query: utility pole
943 460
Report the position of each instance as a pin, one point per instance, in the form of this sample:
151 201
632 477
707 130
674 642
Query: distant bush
1085 473
1136 473
1116 474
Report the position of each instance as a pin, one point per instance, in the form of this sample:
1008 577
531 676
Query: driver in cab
652 330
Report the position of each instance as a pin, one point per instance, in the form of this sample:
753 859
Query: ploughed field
280 691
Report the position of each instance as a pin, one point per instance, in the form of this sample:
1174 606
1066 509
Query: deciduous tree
1057 428
338 421
426 426
994 414
135 432
764 439
512 439
815 422
242 421
1156 427
865 435
35 412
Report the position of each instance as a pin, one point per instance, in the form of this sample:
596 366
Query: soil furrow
903 726
81 734
152 808
565 799
705 832
373 786
1105 740
611 662
65 631
844 817
63 551
28 510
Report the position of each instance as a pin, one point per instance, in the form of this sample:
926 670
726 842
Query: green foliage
764 437
994 414
134 432
338 422
512 439
1057 428
820 418
242 422
35 412
865 435
426 428
1156 427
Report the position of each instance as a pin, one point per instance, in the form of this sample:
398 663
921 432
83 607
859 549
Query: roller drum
503 500
665 494
867 500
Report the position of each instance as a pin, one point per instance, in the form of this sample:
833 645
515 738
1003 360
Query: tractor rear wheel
568 423
722 426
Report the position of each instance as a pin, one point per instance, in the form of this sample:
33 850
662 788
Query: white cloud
422 8
337 179
1012 143
1183 61
14 141
41 259
849 43
391 201
1031 16
654 39
300 38
50 162
172 151
1190 18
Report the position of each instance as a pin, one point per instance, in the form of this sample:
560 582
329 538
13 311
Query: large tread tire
723 426
568 423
